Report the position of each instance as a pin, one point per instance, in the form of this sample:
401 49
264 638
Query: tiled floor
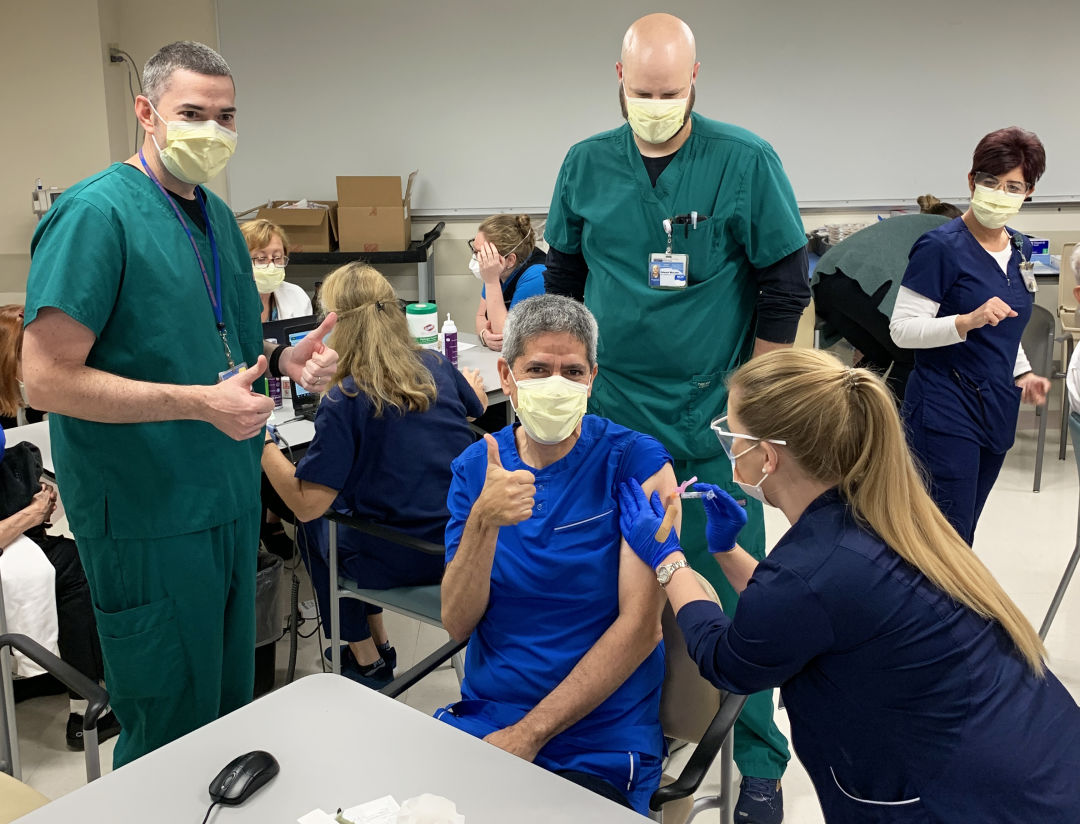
1025 538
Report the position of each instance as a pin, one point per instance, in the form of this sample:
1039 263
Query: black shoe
388 653
107 727
761 801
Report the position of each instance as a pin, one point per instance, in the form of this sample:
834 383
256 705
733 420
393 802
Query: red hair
11 334
1006 149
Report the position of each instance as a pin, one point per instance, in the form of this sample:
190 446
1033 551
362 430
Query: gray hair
184 54
548 313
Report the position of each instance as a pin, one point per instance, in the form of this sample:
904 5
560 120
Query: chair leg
335 604
1043 412
1060 593
458 663
1067 348
721 802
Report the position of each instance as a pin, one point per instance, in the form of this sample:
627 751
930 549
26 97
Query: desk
421 252
339 744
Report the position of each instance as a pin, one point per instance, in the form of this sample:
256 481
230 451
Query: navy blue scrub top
895 692
967 388
394 469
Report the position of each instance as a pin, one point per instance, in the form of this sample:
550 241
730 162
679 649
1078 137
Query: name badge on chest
232 372
1027 272
668 270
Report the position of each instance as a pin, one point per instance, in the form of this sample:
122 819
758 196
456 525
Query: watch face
663 575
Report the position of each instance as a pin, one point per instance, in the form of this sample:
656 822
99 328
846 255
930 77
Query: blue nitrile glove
639 519
724 518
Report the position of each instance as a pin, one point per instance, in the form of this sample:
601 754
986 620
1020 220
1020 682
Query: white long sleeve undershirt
915 325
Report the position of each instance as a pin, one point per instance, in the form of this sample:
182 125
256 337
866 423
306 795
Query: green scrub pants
761 750
176 617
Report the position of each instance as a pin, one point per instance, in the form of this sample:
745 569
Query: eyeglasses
1012 187
264 261
472 248
727 438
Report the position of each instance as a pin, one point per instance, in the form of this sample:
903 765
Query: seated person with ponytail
916 689
506 259
563 666
394 418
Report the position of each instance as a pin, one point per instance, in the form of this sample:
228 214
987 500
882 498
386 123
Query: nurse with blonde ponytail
916 689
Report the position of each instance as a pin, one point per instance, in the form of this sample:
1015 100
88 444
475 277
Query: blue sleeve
3 437
930 271
529 285
76 264
644 457
459 501
474 408
779 627
338 440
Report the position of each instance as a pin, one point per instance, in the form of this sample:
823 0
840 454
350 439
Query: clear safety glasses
732 441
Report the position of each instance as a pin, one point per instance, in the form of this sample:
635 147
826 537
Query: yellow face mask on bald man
655 120
195 151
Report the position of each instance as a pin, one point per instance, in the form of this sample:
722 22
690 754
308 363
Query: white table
339 744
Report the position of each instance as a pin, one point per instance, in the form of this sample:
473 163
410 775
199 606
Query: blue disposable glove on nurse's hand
724 518
639 518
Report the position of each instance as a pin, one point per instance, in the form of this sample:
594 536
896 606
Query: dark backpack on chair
20 477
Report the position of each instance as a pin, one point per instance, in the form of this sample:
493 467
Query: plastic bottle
449 333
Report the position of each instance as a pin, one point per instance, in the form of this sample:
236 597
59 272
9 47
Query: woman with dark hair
963 304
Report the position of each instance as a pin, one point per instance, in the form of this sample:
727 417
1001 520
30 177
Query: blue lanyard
212 291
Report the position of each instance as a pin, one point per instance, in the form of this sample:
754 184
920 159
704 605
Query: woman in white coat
269 247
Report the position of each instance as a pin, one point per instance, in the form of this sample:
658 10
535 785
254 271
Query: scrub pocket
699 245
856 809
143 654
703 402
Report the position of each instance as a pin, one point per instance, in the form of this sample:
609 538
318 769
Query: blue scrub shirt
393 469
554 586
967 389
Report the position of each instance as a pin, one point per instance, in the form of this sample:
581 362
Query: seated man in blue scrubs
564 665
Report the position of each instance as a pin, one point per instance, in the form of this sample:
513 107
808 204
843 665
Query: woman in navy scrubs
385 435
963 304
915 687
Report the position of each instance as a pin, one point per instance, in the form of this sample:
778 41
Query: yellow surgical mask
268 277
655 120
994 208
550 408
195 151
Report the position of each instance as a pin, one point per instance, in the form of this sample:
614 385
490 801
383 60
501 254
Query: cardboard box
373 216
309 230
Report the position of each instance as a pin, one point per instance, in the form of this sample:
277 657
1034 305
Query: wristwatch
664 572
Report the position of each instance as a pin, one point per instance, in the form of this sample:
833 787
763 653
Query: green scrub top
112 255
663 354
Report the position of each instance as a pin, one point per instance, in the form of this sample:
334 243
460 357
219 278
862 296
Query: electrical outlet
114 53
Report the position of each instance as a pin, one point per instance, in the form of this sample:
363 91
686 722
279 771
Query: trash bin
267 620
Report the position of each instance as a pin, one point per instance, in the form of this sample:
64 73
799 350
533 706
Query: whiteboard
865 102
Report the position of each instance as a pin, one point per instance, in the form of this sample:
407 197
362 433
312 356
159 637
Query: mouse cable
209 810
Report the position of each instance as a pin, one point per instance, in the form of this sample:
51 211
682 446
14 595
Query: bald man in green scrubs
141 315
683 237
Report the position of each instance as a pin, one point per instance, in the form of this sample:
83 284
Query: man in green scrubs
682 304
140 305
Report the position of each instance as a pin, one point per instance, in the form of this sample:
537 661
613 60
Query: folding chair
1074 425
693 710
423 603
1038 343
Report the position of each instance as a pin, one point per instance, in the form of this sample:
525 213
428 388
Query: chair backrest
1066 282
688 702
1038 340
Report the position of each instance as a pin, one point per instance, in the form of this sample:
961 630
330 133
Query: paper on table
462 346
380 811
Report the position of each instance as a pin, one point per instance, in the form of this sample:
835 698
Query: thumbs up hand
507 497
311 363
233 408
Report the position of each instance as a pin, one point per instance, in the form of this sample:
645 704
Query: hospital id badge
230 373
1027 272
667 270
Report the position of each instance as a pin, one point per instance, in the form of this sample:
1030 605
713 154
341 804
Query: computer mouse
242 776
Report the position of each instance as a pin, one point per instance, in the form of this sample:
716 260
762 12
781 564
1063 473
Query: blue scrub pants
961 475
761 750
371 563
176 618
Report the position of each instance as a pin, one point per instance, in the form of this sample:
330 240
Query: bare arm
306 499
507 498
37 512
612 659
55 348
481 317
